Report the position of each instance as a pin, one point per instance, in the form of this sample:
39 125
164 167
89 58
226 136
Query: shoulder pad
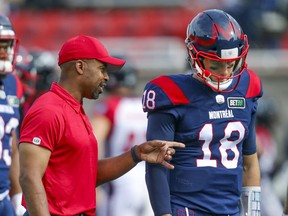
255 86
162 92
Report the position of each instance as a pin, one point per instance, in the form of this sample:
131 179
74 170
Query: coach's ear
81 66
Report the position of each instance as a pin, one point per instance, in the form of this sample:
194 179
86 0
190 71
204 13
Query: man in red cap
59 167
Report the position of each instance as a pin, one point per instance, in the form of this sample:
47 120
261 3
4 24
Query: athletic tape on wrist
250 199
135 157
16 202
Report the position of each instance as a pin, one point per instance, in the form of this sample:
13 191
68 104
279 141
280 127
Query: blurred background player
266 120
26 71
119 123
47 70
36 70
10 94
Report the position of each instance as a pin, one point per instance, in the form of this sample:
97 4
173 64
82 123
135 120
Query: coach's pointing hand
156 151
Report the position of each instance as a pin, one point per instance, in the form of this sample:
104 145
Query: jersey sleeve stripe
171 89
255 87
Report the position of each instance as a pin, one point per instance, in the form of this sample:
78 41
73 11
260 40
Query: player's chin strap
250 201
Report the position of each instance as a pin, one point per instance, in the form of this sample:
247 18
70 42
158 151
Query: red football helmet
217 36
8 45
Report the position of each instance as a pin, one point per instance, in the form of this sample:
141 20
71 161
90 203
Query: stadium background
151 34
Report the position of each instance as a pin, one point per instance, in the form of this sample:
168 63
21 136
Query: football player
213 112
36 70
10 94
27 73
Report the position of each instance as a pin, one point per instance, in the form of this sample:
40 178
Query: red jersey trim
254 88
172 90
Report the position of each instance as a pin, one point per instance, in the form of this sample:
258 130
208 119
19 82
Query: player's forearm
14 169
14 175
251 190
251 171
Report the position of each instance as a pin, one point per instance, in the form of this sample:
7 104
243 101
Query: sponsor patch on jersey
13 101
36 140
236 102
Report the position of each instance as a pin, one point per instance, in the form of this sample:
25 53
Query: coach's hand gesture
158 151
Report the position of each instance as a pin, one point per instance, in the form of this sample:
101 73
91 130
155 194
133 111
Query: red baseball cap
86 47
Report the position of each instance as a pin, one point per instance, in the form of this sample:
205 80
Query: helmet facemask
8 47
215 81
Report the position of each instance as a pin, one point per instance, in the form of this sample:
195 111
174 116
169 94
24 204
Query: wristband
135 157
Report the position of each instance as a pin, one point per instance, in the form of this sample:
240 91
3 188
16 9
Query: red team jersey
57 121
